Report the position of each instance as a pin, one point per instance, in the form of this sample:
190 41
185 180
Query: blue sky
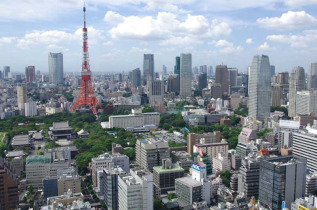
121 31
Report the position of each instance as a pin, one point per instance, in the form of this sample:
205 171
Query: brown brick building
9 197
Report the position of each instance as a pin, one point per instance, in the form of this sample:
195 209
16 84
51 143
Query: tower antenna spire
84 9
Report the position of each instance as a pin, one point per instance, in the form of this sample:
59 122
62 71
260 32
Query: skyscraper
173 83
282 179
29 74
312 76
21 95
202 81
6 71
297 83
186 74
233 74
222 78
56 69
203 69
136 78
156 93
272 70
148 68
260 88
177 65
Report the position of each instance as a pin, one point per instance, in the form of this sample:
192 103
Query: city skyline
122 31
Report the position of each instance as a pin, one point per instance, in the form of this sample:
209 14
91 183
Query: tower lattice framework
86 96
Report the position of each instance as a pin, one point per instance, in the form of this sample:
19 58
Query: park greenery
168 121
147 109
280 108
244 111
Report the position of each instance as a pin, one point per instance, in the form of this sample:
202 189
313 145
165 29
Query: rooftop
162 170
189 181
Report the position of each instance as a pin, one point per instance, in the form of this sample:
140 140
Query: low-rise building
188 190
306 203
21 141
164 177
221 163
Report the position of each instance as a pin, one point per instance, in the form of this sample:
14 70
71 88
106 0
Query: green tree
226 176
130 152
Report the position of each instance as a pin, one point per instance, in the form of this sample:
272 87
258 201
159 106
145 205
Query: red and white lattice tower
86 96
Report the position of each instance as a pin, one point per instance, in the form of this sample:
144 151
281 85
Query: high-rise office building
9 192
282 179
135 191
233 74
6 72
148 68
222 78
30 74
272 70
282 78
109 187
30 109
297 83
156 91
56 69
177 65
186 74
151 152
260 88
277 96
210 71
312 76
203 69
173 83
202 81
164 70
136 78
22 96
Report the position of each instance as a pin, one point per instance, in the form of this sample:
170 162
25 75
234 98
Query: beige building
193 139
68 181
213 149
22 96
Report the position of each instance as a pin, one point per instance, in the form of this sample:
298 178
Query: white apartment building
135 191
212 149
221 163
306 102
105 161
135 119
30 109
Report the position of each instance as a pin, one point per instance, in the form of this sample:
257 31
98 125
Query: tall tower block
86 96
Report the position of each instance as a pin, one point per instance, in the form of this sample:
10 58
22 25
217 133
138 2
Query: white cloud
7 40
264 46
307 38
167 26
227 47
181 41
298 3
289 20
56 36
249 41
108 43
140 50
113 17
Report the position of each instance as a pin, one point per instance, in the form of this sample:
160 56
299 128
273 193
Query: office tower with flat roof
151 152
148 68
156 92
135 190
164 177
30 74
282 179
22 96
312 76
136 78
109 187
282 78
297 83
177 65
277 96
56 68
188 190
233 74
203 69
9 192
173 83
222 78
272 70
202 81
186 74
260 88
6 72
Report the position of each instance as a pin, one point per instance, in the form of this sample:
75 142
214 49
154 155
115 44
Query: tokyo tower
86 97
